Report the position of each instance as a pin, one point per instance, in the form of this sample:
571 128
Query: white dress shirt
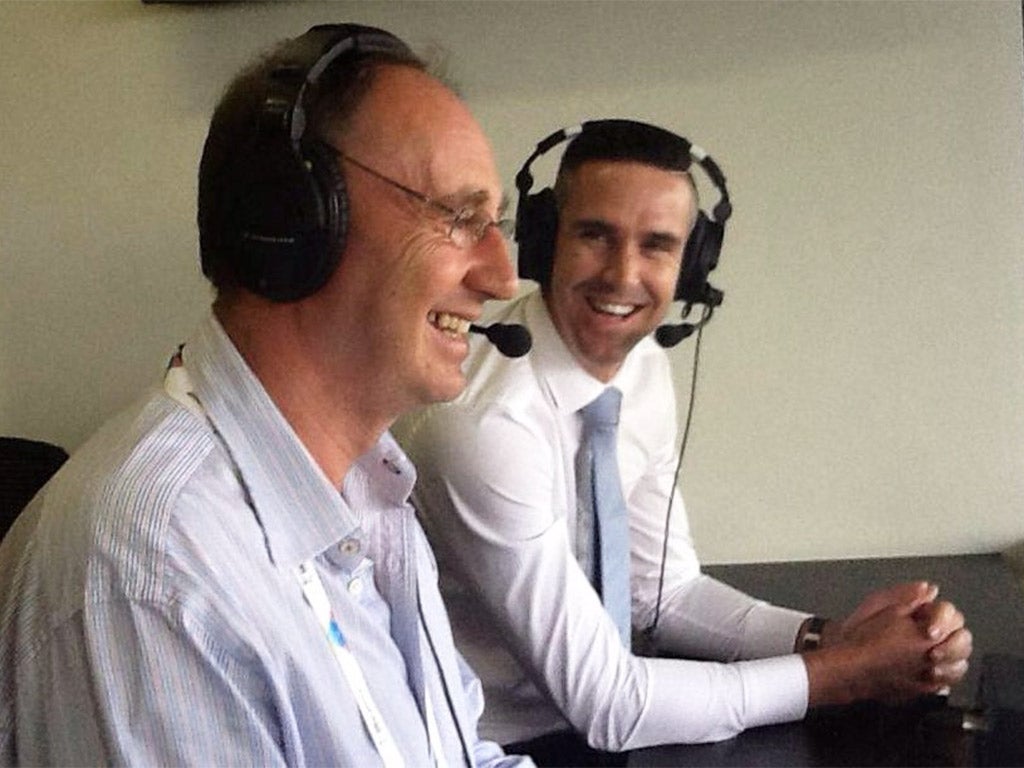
497 496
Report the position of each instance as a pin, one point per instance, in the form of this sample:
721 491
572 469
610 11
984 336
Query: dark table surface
925 732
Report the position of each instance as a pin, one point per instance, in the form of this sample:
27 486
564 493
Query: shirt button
355 587
349 547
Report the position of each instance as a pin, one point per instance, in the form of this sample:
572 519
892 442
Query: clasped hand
900 642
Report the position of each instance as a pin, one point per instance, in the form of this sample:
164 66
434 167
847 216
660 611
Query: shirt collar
300 511
569 385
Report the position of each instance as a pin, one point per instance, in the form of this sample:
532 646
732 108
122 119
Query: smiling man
601 298
230 573
531 591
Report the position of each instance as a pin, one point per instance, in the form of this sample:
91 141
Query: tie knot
603 410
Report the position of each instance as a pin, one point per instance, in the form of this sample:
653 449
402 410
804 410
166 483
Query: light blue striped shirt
150 612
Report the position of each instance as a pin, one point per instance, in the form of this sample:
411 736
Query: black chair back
25 466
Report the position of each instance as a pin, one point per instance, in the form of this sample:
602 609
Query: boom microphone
670 335
511 340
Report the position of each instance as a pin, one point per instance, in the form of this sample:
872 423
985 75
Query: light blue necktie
603 524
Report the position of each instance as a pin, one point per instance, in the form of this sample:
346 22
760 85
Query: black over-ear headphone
537 215
283 222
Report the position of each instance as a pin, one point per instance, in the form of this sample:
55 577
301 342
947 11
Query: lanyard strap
178 385
316 596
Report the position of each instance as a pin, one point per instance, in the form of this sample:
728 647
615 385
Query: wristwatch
811 638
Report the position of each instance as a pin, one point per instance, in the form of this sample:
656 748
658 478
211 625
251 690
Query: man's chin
446 391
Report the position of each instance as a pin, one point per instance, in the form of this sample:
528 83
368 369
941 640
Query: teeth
452 324
614 309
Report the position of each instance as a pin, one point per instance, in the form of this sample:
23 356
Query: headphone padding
700 256
282 204
536 229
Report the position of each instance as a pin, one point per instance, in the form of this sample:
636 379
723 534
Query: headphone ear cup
536 228
700 257
331 229
288 217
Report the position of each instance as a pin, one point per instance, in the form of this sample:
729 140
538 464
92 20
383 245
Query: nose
492 272
622 265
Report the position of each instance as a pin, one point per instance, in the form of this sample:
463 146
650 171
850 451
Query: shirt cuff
770 630
775 690
691 702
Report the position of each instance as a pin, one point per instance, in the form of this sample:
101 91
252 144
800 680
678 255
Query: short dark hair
626 141
234 130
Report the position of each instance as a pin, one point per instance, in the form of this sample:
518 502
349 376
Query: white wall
860 389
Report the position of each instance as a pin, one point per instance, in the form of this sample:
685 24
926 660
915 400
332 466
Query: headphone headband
323 45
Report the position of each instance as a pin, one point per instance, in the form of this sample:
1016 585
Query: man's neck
327 414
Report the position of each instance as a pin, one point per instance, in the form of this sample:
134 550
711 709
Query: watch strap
810 640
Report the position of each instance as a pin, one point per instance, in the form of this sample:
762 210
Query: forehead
410 124
627 190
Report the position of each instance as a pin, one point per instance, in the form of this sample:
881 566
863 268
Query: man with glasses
229 572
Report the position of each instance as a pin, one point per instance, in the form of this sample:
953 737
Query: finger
940 619
909 596
948 674
959 645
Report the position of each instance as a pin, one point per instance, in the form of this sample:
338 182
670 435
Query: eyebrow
656 237
476 198
664 240
598 225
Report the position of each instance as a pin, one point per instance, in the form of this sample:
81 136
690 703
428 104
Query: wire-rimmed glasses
466 225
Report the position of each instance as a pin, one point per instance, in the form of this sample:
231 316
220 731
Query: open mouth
610 308
448 323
